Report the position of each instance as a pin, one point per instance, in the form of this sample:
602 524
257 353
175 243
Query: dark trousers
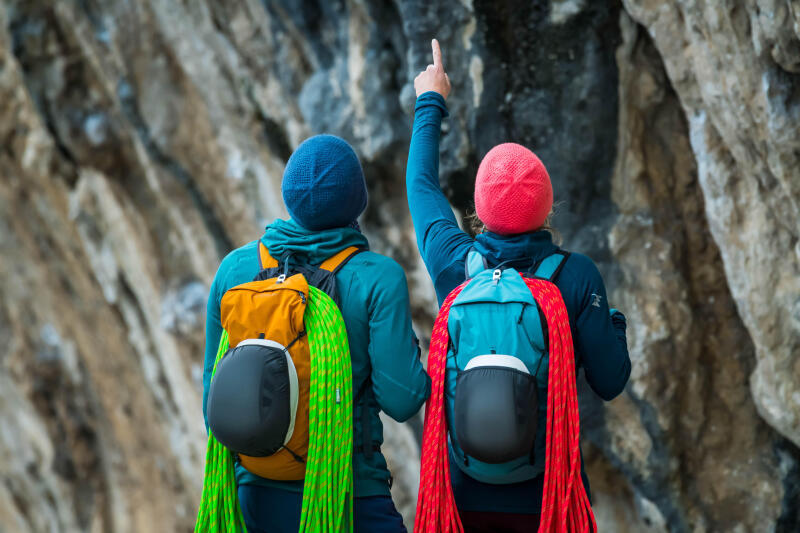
475 522
271 510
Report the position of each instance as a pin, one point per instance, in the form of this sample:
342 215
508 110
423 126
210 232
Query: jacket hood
521 251
287 236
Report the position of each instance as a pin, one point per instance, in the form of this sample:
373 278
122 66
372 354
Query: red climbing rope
436 507
565 506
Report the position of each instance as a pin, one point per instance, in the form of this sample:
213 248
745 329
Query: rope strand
328 488
436 507
565 506
219 505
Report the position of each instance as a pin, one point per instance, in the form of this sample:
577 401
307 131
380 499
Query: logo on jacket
596 299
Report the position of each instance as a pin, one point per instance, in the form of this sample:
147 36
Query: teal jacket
375 306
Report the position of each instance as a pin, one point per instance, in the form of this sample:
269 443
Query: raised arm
441 242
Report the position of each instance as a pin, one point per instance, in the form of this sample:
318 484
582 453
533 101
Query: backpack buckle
496 276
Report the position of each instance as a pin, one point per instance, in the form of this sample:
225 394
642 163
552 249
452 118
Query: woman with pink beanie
513 200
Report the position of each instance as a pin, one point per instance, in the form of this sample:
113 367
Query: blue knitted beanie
323 184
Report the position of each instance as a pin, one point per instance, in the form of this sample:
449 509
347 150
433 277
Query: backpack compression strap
565 506
332 264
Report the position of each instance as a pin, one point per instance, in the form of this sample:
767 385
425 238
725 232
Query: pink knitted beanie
513 193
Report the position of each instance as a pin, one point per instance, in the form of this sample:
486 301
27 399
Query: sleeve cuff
431 98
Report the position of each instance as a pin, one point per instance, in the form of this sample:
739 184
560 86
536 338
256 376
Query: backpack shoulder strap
332 264
474 264
550 267
335 263
264 259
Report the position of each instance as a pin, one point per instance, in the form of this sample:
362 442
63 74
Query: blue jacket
375 307
600 343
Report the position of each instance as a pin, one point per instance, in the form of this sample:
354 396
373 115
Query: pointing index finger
437 54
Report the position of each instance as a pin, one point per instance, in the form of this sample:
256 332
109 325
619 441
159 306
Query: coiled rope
565 506
436 507
328 488
219 505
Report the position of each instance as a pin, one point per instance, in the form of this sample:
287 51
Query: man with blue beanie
325 193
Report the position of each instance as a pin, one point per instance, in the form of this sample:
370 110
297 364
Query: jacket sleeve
599 339
441 242
213 334
399 381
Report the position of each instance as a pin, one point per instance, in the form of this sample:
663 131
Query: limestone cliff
143 140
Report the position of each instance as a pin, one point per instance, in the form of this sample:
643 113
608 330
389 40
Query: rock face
141 141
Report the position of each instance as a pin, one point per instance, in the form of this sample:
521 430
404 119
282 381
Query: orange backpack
269 312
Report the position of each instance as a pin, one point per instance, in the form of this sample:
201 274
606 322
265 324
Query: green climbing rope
328 488
219 506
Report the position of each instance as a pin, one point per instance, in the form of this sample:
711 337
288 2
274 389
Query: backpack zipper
301 293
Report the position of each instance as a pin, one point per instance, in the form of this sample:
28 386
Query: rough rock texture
143 140
736 70
687 429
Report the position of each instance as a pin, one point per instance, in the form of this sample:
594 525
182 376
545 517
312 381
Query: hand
433 78
617 318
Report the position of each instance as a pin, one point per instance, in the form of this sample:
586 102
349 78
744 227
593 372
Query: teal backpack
496 375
